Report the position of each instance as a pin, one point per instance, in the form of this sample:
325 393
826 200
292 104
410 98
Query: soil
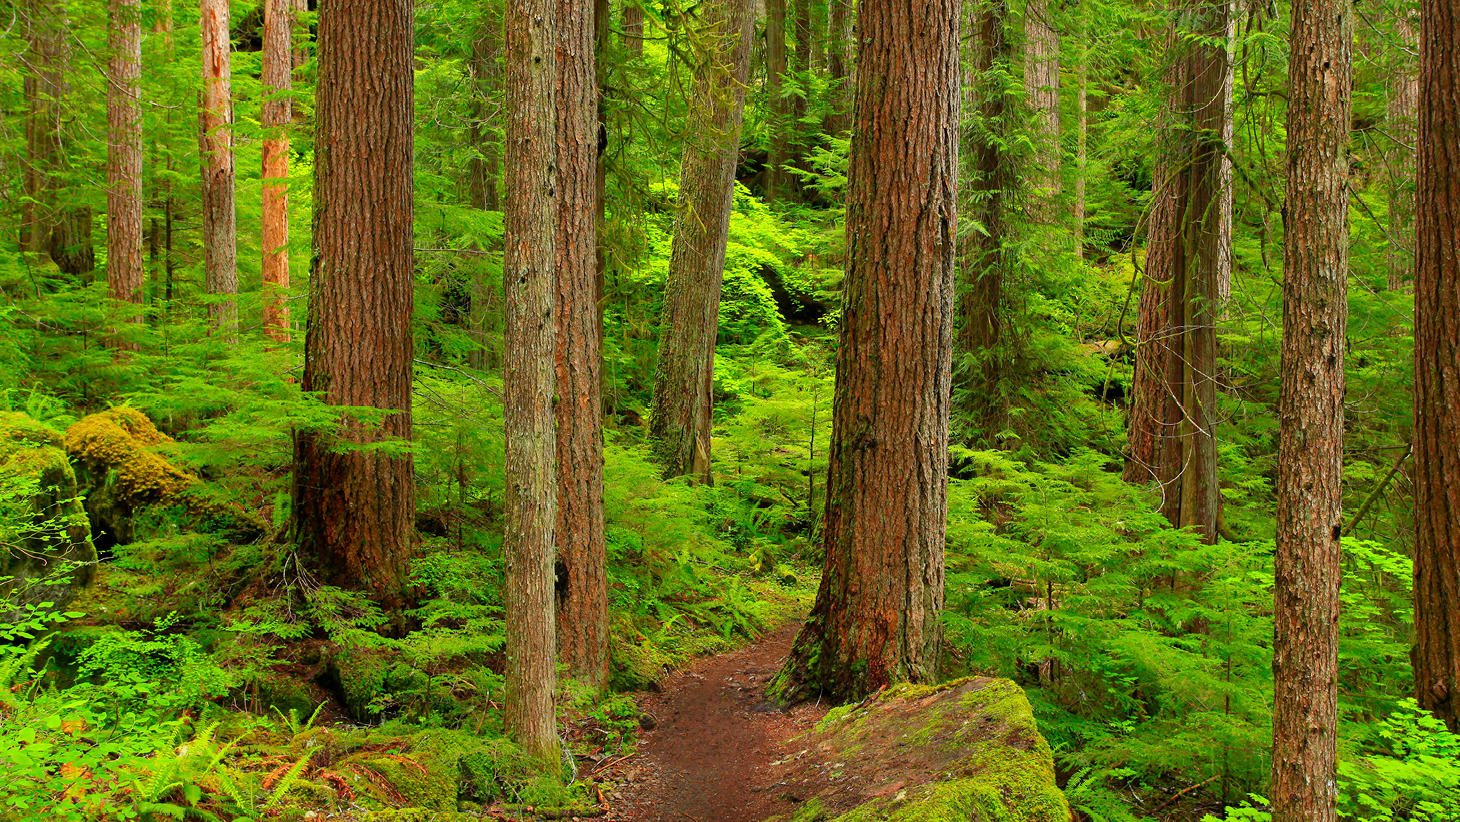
716 748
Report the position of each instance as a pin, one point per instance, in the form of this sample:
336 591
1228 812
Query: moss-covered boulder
967 751
43 518
120 469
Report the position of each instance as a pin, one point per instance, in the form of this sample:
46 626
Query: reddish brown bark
1310 414
633 28
278 68
215 144
529 271
1402 112
875 617
354 510
582 586
124 160
1437 369
779 181
1042 86
680 421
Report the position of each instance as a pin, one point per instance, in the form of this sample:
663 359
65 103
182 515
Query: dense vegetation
203 665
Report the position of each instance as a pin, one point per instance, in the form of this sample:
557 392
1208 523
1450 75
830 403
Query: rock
51 522
120 470
965 750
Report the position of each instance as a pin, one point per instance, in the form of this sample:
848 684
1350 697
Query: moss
31 452
122 440
362 674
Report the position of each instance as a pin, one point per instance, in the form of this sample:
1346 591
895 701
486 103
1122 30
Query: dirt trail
709 755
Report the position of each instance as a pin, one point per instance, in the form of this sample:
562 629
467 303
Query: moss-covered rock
120 470
967 750
47 522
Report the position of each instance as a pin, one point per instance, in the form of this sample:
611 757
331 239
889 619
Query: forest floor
715 747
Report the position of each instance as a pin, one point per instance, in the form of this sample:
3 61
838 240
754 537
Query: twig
1378 489
1172 801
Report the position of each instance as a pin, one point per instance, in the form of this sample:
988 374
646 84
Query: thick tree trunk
779 182
278 69
44 88
1042 87
484 170
1188 255
1437 370
841 48
984 259
354 510
633 28
1310 414
533 204
582 587
680 421
1402 115
875 620
215 144
124 160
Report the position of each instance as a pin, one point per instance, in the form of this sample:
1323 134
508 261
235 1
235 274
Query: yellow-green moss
115 447
31 451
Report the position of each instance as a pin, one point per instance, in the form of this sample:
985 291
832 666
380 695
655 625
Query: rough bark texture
1310 414
841 47
1402 114
779 181
124 273
530 77
278 69
1437 370
680 421
582 586
633 28
1042 86
875 617
44 93
1082 140
215 143
990 197
354 511
1173 414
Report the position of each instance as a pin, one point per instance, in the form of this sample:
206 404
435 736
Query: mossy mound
966 750
120 470
53 527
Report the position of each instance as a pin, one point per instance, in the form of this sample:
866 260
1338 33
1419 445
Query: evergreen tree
215 145
124 163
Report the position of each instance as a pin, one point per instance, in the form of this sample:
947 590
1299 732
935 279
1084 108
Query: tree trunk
1310 414
875 620
984 258
1172 418
354 510
841 47
582 587
633 28
1437 370
779 183
533 207
44 88
1082 139
1042 86
215 144
278 69
124 160
680 421
1402 114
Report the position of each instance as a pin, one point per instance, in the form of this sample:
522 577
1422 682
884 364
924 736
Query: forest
402 401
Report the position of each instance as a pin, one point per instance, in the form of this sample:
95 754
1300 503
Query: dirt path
709 755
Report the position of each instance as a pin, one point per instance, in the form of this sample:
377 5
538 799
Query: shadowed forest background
236 531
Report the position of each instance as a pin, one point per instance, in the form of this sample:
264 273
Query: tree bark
278 68
1042 86
220 227
875 617
778 179
533 206
680 420
633 29
1402 115
841 49
1173 415
582 586
44 88
1310 414
1437 369
354 509
124 161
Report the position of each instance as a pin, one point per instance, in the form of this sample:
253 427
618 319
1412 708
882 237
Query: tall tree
841 49
779 181
533 196
680 421
354 508
875 620
220 226
1402 112
633 28
124 162
582 585
1173 414
278 70
1437 369
1042 86
1310 414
